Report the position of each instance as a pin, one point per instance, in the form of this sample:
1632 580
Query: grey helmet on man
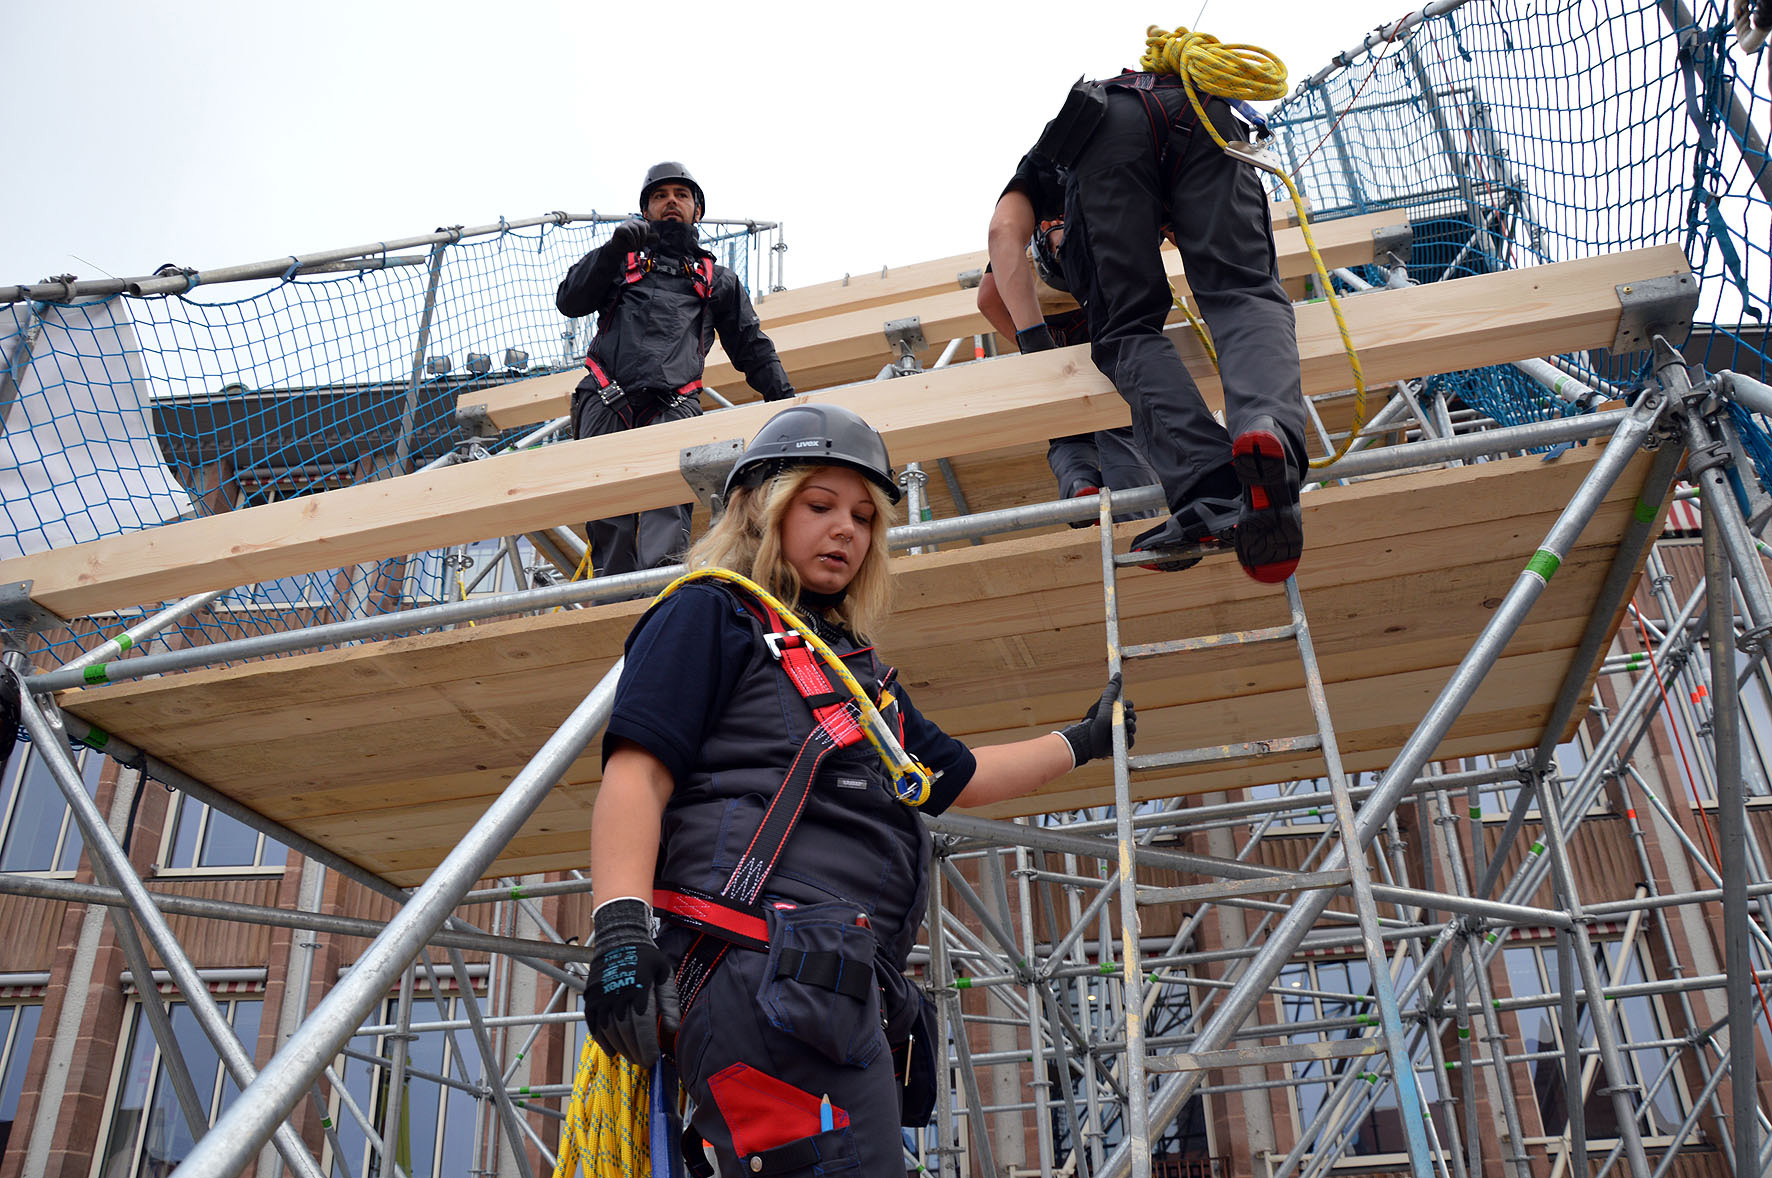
815 435
672 172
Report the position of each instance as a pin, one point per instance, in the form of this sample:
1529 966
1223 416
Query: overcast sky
211 134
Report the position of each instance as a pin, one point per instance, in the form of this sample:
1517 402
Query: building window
18 1029
200 837
1532 970
1338 995
37 831
437 1129
148 1135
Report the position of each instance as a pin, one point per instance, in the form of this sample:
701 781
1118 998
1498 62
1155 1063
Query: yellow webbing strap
607 1129
1252 74
911 779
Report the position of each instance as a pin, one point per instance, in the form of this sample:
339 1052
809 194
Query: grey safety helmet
815 435
672 172
1046 263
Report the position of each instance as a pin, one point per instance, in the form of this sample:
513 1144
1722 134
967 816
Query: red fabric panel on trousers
762 1112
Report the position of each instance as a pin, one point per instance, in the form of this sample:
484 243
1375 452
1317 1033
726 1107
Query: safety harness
734 916
638 265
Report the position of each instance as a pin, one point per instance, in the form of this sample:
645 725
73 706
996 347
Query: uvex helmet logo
808 444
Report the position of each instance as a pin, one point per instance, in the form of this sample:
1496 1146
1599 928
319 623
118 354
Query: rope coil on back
1251 74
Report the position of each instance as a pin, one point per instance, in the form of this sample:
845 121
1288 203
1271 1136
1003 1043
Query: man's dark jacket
653 335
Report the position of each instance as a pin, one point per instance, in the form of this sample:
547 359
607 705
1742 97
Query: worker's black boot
1270 526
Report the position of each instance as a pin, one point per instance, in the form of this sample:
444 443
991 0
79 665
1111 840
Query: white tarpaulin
77 453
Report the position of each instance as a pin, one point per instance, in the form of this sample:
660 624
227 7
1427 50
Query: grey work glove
630 994
1093 735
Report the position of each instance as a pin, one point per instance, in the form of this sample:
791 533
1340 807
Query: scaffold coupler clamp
905 337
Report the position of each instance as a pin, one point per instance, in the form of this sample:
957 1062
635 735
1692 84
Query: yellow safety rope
911 779
1252 74
607 1128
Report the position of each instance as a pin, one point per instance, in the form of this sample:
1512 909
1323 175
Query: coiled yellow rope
1252 74
607 1128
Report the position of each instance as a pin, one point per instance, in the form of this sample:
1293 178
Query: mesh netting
1507 134
1514 134
128 412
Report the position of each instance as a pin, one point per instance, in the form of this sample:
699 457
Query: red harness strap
734 916
638 266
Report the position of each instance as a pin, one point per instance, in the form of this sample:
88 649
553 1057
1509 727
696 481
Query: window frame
16 774
176 816
134 1027
1544 950
373 1101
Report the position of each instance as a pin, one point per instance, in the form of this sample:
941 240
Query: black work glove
10 710
636 233
1093 735
1037 338
630 990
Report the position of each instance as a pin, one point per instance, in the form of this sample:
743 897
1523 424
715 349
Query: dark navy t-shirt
682 666
1043 184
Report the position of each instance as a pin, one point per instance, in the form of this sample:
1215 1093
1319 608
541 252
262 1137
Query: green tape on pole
1108 968
1476 811
1464 1032
523 1091
1450 1065
1492 938
123 641
1538 848
1644 511
962 983
1370 1020
1544 563
95 673
516 893
1369 1077
326 1122
96 738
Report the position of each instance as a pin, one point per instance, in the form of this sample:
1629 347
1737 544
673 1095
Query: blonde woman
741 802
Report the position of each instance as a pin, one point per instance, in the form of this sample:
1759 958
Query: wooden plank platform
846 344
978 408
386 753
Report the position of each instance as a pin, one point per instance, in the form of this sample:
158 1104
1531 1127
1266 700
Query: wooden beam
848 345
1015 400
856 291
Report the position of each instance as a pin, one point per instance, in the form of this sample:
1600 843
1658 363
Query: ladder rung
1225 752
1162 555
1145 650
1231 1057
1266 885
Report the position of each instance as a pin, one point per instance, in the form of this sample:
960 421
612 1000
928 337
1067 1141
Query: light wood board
387 752
978 408
849 344
897 284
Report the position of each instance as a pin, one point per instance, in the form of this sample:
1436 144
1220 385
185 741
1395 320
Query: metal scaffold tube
1292 928
265 1102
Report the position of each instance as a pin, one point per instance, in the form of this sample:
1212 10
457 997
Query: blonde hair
747 539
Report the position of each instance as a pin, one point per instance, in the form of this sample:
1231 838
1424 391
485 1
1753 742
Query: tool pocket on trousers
818 985
777 1128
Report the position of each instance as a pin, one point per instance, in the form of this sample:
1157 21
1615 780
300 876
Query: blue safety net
1514 134
129 412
